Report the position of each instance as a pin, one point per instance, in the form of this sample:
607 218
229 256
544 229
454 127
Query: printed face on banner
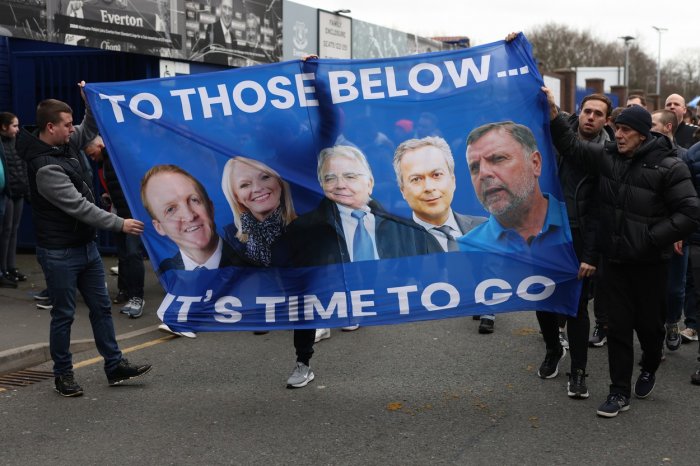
181 213
256 190
346 181
502 175
427 184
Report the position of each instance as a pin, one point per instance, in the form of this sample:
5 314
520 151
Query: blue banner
326 193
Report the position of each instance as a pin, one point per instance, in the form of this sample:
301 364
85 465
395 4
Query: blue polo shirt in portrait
551 247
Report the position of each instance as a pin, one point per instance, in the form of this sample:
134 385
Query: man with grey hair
425 173
505 165
347 226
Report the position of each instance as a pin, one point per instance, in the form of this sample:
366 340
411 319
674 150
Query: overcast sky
486 21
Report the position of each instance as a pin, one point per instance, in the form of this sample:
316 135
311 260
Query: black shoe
121 298
645 384
261 332
599 337
67 386
126 371
615 403
476 317
695 378
16 275
550 366
576 386
486 326
6 282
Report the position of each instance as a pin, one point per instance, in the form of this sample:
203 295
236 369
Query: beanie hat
637 118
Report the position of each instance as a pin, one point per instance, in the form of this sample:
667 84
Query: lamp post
627 40
658 61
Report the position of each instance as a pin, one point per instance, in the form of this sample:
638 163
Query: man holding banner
66 217
647 202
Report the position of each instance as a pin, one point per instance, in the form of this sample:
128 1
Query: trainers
120 298
301 375
16 275
66 385
322 334
689 334
114 270
135 306
166 329
614 404
350 328
6 282
576 386
673 337
695 378
45 306
644 384
550 366
599 337
562 339
126 371
43 295
486 325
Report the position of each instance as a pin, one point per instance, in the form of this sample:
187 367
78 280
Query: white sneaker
689 334
350 328
166 329
114 270
322 334
301 375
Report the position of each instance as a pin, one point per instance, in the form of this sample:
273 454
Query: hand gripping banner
326 193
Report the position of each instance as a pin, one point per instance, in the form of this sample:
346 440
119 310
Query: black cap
637 118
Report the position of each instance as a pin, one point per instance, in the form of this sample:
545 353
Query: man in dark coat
647 202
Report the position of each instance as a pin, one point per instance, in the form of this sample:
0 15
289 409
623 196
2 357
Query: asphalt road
432 392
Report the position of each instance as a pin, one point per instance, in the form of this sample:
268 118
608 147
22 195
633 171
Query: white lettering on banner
359 303
506 290
144 96
185 308
374 83
427 295
225 312
312 303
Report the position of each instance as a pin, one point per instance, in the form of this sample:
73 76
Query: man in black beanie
647 202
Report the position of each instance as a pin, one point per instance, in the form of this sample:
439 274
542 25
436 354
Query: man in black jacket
647 202
580 191
65 217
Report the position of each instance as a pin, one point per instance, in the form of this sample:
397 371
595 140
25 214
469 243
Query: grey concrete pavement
415 394
24 333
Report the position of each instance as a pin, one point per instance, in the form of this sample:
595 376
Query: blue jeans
675 291
67 270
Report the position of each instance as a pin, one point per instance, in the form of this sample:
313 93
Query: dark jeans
8 237
131 269
67 270
676 285
304 344
576 327
635 297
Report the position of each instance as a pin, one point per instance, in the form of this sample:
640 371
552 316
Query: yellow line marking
91 361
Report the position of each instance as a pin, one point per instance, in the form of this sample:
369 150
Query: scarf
261 235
